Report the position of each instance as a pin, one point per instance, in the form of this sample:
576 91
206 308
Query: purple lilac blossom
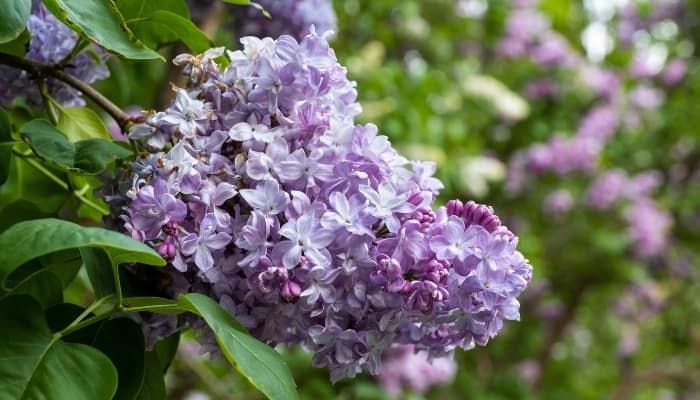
648 228
50 43
558 202
607 189
288 17
404 367
529 34
674 71
310 229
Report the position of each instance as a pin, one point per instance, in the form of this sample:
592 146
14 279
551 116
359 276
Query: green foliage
17 46
260 364
14 15
101 22
31 239
42 363
162 26
89 156
81 123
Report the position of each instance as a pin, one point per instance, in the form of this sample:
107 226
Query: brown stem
558 330
46 70
661 373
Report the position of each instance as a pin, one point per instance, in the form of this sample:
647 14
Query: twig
653 376
47 101
45 70
558 329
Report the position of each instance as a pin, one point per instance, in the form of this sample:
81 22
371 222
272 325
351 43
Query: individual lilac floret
259 189
50 43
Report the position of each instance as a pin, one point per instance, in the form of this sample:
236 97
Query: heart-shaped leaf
44 367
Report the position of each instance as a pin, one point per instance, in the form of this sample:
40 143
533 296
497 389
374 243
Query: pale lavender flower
304 237
203 244
266 197
153 207
384 203
188 115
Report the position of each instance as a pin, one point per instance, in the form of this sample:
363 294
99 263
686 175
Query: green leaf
161 22
30 239
162 27
25 183
18 211
14 15
165 349
135 9
259 363
89 156
99 271
122 341
102 23
93 155
17 46
80 123
44 286
64 264
42 366
5 150
153 387
48 142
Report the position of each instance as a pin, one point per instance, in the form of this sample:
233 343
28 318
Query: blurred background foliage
605 317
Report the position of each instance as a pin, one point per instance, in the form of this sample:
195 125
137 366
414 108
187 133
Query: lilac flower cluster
529 33
632 20
614 108
287 17
648 224
50 43
261 191
403 366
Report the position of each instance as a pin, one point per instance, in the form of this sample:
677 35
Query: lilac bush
51 42
261 192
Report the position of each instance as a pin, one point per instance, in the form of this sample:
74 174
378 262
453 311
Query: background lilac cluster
261 191
287 17
51 42
402 366
529 35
